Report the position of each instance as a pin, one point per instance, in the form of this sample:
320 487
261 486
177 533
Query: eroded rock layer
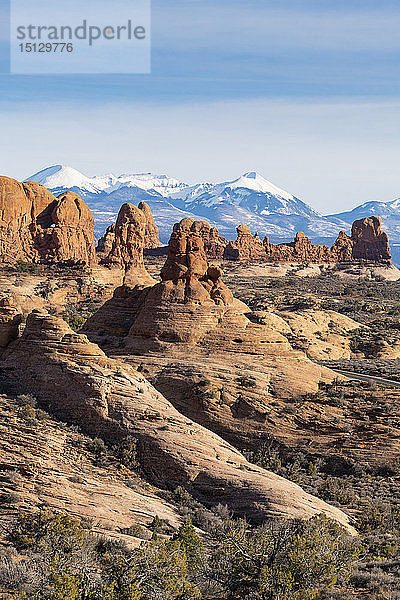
108 398
367 242
35 226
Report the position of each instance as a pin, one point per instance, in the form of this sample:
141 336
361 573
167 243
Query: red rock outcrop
35 226
105 243
108 398
246 247
150 235
151 238
342 249
190 324
214 244
369 241
123 244
301 250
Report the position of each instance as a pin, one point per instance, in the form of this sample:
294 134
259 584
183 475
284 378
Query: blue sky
306 92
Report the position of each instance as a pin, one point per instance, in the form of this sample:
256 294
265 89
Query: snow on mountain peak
60 177
257 183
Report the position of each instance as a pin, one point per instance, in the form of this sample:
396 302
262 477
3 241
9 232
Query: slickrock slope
123 244
35 226
48 464
106 397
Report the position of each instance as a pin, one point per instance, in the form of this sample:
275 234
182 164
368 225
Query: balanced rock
108 398
35 226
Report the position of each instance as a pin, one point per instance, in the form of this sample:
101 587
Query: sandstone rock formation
246 247
77 381
122 245
190 327
214 244
369 241
54 466
151 239
301 250
35 226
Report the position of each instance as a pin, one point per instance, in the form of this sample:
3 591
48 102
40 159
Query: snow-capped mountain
250 191
249 199
64 178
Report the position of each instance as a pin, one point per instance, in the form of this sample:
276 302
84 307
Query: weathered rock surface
369 241
246 247
214 244
127 217
54 467
10 320
122 246
151 237
35 226
181 329
108 398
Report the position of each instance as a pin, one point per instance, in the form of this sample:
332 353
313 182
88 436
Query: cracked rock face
35 226
106 397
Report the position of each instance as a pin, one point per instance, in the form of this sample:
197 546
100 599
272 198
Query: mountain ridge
249 199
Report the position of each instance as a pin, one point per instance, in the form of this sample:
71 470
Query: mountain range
249 199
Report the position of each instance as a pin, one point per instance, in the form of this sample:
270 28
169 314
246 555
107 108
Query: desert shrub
26 400
75 321
379 517
335 489
28 413
126 453
191 544
47 532
247 382
282 560
25 267
97 446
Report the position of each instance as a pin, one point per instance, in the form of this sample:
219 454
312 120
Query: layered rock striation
35 226
189 327
108 398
